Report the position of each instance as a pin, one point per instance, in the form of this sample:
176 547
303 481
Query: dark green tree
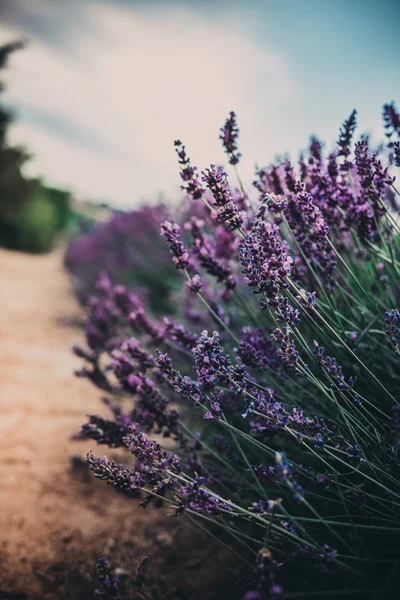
14 188
30 212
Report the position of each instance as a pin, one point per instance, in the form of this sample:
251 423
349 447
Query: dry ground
53 520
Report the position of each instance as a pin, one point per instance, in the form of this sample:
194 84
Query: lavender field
200 301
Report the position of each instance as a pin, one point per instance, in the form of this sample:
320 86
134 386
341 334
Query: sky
104 87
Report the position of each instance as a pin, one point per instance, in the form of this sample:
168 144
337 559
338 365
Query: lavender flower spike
108 582
189 174
392 321
172 233
333 369
229 135
345 136
217 182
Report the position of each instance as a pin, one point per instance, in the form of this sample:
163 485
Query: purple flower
211 362
229 136
396 153
205 250
149 452
214 402
287 351
284 474
108 582
257 350
266 569
119 476
217 181
332 368
183 385
321 559
140 322
195 284
345 137
189 174
172 233
373 180
266 261
310 229
213 365
104 431
142 358
392 321
196 497
290 177
225 447
179 334
391 120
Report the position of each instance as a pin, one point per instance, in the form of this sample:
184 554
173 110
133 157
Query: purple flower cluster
229 135
196 497
310 230
271 415
115 474
287 351
266 570
391 120
149 453
129 248
266 261
179 334
172 233
332 368
109 583
211 362
345 137
217 182
206 252
183 385
195 285
257 350
284 474
239 404
214 401
392 321
189 174
105 431
213 365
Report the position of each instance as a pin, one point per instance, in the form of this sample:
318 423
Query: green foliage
37 225
60 200
31 214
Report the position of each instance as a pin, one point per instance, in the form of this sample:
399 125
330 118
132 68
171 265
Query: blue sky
105 86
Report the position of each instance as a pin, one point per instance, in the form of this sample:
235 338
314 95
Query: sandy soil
44 504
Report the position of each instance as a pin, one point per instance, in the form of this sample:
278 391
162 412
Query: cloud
104 123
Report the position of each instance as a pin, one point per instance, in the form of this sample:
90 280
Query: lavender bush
274 399
129 249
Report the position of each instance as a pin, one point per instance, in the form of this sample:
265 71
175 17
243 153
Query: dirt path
56 520
44 505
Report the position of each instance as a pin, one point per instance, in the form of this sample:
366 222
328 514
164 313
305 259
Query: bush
128 247
286 442
61 202
30 213
36 225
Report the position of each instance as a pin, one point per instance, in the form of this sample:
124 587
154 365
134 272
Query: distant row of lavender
277 378
129 249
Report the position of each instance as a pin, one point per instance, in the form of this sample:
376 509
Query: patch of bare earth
54 519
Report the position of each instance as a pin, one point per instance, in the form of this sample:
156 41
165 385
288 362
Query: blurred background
103 87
